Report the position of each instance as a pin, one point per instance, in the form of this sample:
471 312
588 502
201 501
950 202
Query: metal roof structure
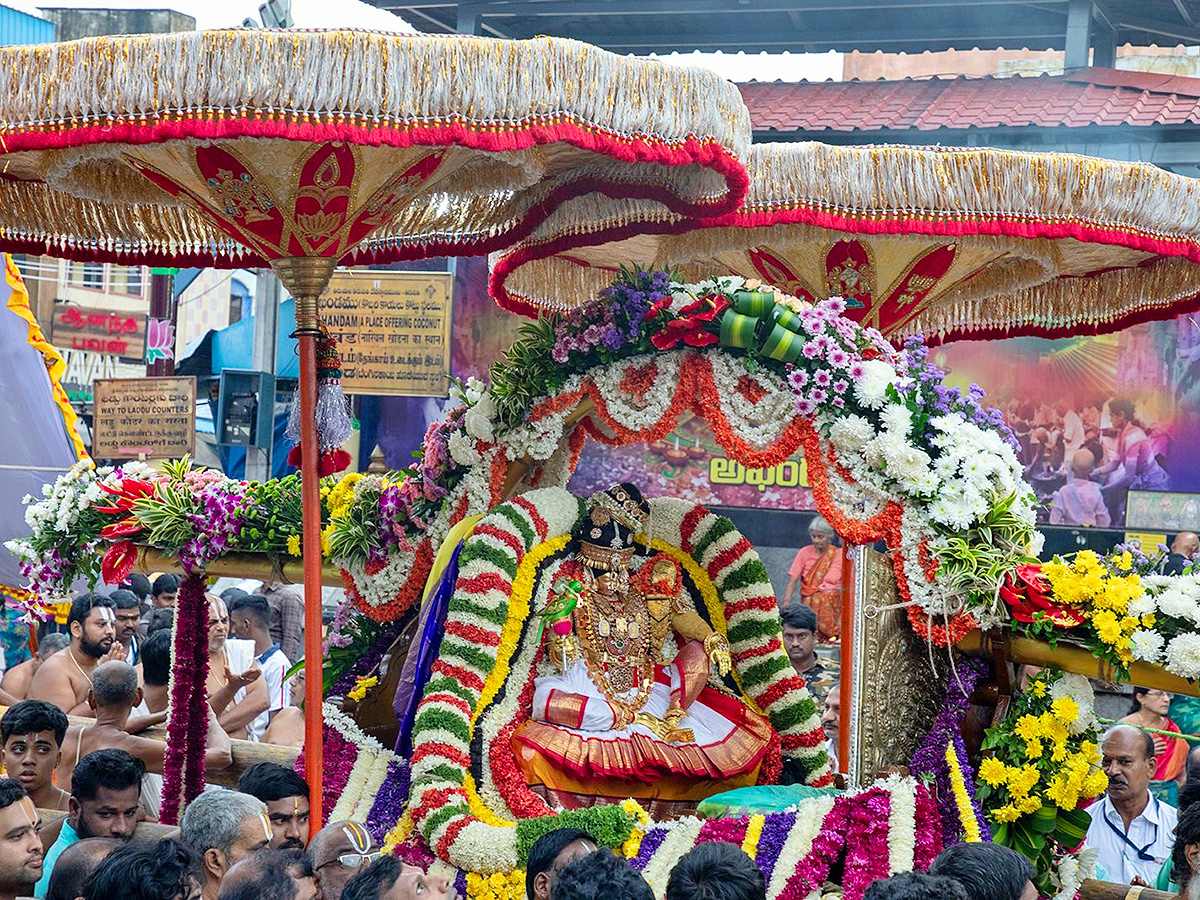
663 26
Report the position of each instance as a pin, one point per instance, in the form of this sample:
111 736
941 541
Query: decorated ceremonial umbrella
303 149
945 243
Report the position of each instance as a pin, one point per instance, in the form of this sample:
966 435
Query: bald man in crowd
75 864
113 695
1183 548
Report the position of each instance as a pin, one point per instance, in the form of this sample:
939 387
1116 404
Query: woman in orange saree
817 571
1150 708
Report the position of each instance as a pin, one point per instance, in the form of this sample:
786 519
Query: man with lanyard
1132 831
250 620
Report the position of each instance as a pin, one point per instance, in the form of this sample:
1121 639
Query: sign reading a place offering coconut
392 331
152 418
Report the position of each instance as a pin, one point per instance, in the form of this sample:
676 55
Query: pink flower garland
866 842
929 830
187 716
337 761
731 831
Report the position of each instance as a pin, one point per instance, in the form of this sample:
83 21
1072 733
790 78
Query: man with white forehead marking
66 677
337 853
224 827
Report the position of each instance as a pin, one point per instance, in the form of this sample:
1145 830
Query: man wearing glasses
1132 830
337 853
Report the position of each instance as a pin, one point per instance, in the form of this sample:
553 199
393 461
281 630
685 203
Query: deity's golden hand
622 716
717 648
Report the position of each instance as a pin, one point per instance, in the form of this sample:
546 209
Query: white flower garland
810 816
679 840
902 823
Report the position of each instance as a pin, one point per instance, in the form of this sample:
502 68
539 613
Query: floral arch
892 454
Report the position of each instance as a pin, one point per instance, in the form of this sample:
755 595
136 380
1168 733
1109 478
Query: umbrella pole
306 278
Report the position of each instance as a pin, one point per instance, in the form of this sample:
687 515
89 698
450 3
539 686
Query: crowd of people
1083 459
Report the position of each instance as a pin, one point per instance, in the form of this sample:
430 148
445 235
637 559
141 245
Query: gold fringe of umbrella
949 243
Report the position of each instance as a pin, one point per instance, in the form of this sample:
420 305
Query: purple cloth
418 663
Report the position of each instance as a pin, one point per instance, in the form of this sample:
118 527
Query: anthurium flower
689 327
118 562
1027 593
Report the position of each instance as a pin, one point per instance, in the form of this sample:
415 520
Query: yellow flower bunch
1102 594
359 691
1045 755
293 545
341 495
497 886
966 812
633 843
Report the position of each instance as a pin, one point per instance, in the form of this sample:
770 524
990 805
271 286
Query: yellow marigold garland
753 833
518 613
633 843
966 814
497 886
478 808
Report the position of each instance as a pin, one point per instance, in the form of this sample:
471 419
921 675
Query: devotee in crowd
817 571
129 622
236 691
1188 795
287 725
338 852
156 672
799 641
286 795
165 591
1080 501
104 803
987 871
716 871
1185 545
161 620
75 864
830 721
113 696
1149 711
33 732
15 683
270 874
163 870
915 886
287 617
21 854
66 677
1131 830
250 620
139 584
598 876
389 879
1185 854
551 852
224 827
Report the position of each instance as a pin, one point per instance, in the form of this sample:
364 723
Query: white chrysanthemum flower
1175 602
1141 605
851 434
897 419
462 449
1183 655
871 389
1080 690
479 419
1146 645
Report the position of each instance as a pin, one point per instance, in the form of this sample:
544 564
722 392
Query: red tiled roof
1106 97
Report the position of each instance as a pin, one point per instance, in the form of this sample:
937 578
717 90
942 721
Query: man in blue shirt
105 789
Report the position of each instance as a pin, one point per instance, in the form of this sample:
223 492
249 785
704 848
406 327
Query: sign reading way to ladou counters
392 331
98 330
153 418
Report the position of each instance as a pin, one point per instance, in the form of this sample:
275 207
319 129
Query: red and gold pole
306 279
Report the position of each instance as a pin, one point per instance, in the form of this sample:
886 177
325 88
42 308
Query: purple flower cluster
925 386
390 801
612 321
930 759
216 527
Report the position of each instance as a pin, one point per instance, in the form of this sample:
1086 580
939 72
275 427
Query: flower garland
966 813
930 760
187 713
